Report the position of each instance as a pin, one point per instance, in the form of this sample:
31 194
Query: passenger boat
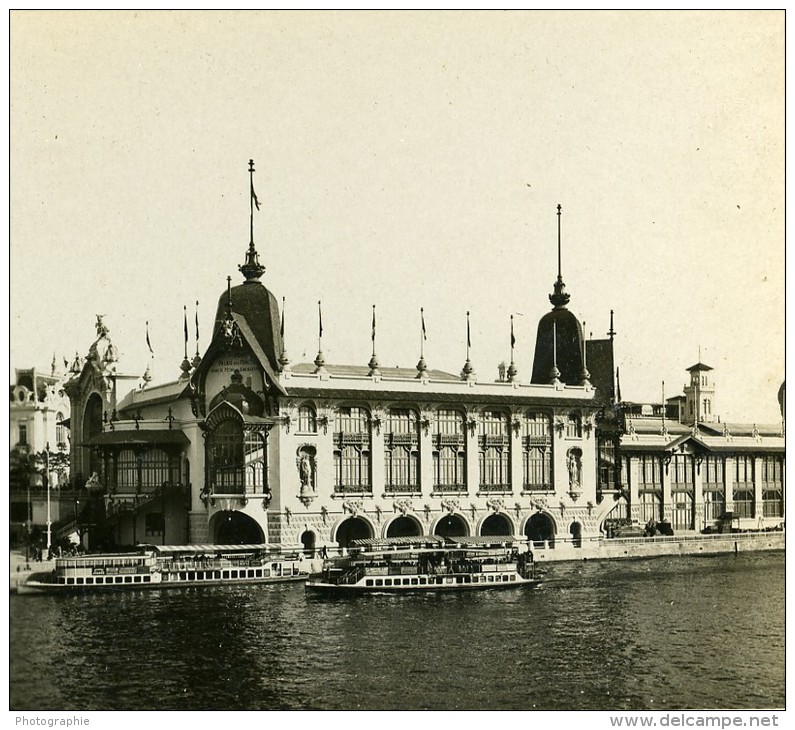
165 566
427 563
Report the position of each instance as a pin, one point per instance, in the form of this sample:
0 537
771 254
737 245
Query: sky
406 159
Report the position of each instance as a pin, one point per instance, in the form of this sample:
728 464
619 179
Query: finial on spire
559 298
197 357
612 333
252 269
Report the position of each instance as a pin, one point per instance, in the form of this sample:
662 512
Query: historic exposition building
247 447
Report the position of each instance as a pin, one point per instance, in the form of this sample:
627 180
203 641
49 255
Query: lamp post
47 477
28 524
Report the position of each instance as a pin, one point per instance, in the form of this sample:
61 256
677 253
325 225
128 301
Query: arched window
401 454
236 457
60 430
307 419
536 452
352 450
494 452
449 451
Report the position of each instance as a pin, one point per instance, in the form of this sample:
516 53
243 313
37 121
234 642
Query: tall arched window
573 426
401 454
236 455
536 452
352 450
494 452
60 430
449 451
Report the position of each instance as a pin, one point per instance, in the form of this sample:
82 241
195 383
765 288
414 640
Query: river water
662 633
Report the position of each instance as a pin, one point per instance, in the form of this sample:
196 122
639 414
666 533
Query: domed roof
563 326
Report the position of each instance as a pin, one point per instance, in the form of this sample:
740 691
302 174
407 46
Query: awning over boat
393 542
211 549
482 540
134 437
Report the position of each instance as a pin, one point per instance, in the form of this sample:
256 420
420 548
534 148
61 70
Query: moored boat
427 563
164 566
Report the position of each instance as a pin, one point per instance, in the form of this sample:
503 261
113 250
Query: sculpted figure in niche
305 473
574 468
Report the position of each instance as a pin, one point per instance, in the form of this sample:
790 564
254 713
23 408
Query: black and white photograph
397 360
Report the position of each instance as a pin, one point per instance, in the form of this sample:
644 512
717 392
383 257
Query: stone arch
496 524
540 527
452 525
92 426
231 527
403 526
352 528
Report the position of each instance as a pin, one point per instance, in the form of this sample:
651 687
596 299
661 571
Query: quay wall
643 547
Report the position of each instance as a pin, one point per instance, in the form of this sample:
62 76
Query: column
426 458
728 479
632 477
665 475
758 509
698 492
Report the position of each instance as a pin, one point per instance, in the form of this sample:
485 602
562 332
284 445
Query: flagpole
373 330
197 327
251 198
468 336
422 332
320 328
512 339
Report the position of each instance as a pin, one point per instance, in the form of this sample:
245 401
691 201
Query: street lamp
47 477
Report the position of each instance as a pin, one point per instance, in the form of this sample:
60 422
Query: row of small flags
373 327
320 327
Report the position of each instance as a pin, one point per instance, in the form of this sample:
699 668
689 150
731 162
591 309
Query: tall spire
468 372
559 297
512 370
197 357
373 364
252 269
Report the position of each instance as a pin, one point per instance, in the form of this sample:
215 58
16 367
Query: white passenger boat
164 566
427 563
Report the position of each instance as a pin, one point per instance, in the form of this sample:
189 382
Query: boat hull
449 585
32 587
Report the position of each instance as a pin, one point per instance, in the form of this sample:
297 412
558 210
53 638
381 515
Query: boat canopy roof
399 542
212 549
483 541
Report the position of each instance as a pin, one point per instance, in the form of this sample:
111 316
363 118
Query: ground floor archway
354 528
308 539
452 526
404 526
497 525
540 528
576 534
235 528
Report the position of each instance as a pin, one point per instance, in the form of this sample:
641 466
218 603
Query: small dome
560 322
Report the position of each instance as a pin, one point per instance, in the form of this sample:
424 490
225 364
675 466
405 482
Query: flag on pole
185 313
319 320
148 343
281 329
253 194
469 340
197 323
513 339
373 332
422 317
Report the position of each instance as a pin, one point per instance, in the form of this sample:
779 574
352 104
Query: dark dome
260 310
569 347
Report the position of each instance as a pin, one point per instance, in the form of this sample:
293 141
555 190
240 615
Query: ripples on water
701 632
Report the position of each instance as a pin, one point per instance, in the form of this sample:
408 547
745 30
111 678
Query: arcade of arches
540 528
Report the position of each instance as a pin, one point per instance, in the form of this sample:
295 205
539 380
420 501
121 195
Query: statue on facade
574 467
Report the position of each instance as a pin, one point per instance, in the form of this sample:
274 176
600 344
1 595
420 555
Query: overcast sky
407 159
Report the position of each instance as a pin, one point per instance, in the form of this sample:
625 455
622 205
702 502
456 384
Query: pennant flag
422 317
281 329
148 343
469 340
373 332
253 194
319 320
197 322
185 313
513 339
